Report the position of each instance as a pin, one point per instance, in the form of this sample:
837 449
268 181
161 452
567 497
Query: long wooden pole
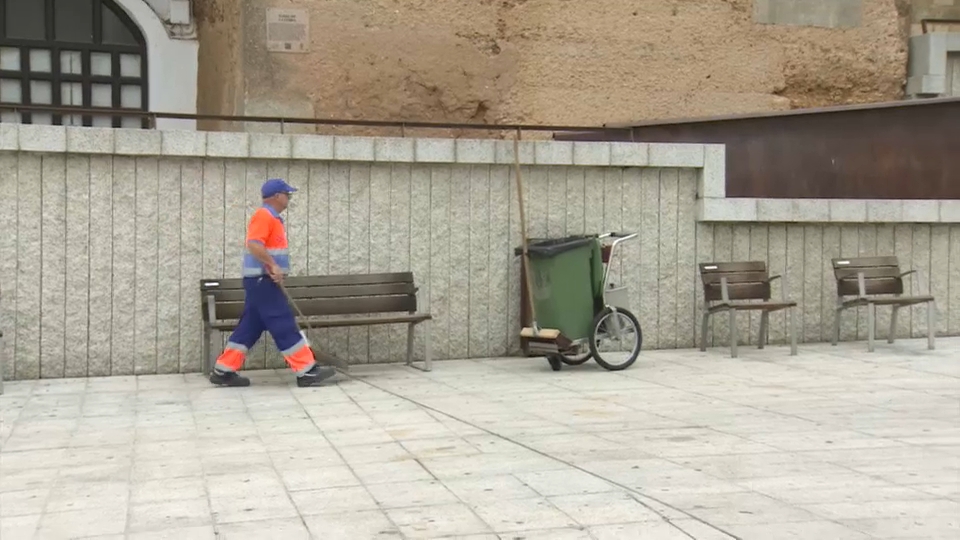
523 235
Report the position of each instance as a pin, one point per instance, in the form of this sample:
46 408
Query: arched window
71 53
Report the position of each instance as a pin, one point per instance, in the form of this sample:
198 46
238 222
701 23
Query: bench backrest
745 280
322 295
881 275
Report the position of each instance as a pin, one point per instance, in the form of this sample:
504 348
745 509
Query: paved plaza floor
836 443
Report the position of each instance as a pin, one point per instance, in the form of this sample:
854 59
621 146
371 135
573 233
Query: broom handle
523 233
294 304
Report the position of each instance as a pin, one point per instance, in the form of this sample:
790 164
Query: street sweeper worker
265 305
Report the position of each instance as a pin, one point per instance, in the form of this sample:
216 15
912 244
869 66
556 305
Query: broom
323 358
537 340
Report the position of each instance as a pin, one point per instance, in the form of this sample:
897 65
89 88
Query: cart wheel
616 340
583 354
556 362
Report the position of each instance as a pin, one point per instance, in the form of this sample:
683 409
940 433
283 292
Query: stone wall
552 61
107 234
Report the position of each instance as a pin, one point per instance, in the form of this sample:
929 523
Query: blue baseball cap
275 185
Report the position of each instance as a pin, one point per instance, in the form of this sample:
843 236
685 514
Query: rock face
553 61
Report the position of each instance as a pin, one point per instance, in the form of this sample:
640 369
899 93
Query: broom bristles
548 334
547 340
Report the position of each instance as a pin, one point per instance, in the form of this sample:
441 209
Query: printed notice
288 30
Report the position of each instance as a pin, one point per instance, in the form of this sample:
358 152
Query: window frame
86 78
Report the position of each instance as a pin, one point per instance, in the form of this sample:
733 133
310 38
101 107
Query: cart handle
619 236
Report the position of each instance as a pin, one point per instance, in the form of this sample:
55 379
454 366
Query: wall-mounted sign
288 30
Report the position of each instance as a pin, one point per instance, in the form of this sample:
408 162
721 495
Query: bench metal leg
410 333
703 331
836 325
931 324
793 331
893 325
733 333
426 349
764 325
426 346
871 325
205 364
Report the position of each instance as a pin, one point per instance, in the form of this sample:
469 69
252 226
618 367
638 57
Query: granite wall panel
318 232
146 254
103 253
53 265
76 322
100 286
29 260
952 307
123 324
9 168
169 230
667 257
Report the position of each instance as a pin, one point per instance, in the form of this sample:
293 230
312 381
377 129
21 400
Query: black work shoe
316 374
228 378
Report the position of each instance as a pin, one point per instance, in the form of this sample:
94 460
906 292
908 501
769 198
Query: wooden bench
877 281
742 286
326 302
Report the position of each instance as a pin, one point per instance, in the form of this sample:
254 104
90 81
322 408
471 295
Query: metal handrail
153 116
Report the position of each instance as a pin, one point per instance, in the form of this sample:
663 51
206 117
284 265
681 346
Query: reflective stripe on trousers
265 308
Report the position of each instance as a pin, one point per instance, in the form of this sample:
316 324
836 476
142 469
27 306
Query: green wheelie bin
567 276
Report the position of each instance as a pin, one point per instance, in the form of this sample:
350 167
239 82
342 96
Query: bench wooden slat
316 281
341 322
735 277
881 275
336 291
865 262
334 306
726 267
738 291
763 306
350 306
746 280
348 279
902 300
871 287
873 272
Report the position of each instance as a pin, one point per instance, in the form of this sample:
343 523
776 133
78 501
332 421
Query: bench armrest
783 285
918 278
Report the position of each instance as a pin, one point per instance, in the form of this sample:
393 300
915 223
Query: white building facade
127 54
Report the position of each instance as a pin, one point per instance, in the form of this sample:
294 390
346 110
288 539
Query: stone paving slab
833 443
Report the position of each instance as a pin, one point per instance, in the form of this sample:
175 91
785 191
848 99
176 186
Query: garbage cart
571 292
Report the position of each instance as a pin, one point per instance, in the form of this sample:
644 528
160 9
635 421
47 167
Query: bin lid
551 247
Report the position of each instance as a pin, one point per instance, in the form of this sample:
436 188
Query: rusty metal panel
884 152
